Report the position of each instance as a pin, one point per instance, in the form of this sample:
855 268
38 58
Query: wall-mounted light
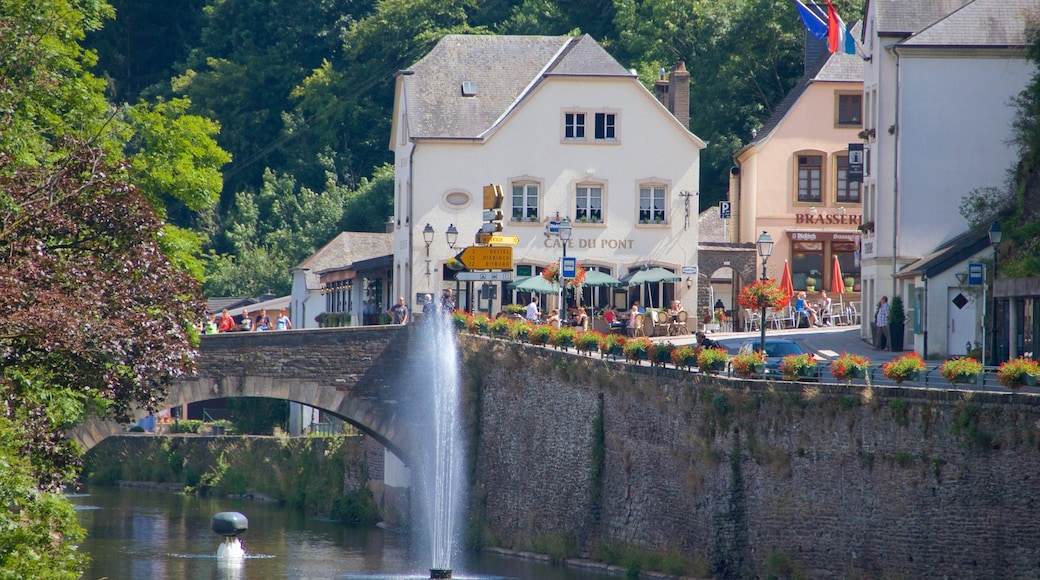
812 210
841 210
689 283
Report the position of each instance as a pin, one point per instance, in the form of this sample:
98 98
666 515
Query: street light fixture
452 235
994 239
566 230
765 249
427 235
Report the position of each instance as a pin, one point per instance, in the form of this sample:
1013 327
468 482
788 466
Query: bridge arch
363 375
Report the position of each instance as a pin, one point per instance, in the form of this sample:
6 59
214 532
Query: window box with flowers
1018 373
763 293
685 356
587 342
749 363
712 360
637 349
519 330
459 318
499 327
611 344
478 324
552 274
660 353
562 337
866 227
850 366
961 370
905 368
539 334
798 366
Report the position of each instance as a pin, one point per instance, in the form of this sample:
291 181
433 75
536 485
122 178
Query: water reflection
163 536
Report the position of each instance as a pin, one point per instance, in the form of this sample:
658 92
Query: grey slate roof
998 23
904 17
949 255
504 69
345 249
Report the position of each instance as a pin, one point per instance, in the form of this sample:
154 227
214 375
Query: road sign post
486 258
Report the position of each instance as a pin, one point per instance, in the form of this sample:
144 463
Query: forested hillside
303 93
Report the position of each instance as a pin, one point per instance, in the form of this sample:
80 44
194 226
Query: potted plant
850 282
961 370
1018 373
478 324
712 360
514 309
850 366
519 330
810 284
660 353
796 366
762 293
500 326
459 318
611 344
905 368
685 356
749 363
896 322
587 341
637 349
539 334
562 337
866 227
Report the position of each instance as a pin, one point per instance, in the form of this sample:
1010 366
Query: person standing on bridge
283 322
399 311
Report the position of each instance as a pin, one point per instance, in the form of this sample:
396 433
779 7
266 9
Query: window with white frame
574 126
525 202
589 203
846 191
652 204
605 128
810 177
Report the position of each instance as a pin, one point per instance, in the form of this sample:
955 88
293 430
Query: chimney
679 94
814 51
661 89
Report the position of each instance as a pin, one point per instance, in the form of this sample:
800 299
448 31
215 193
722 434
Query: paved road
830 342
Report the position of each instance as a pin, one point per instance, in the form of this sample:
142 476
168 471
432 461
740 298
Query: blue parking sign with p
724 210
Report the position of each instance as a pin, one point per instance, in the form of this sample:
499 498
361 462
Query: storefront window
846 253
806 263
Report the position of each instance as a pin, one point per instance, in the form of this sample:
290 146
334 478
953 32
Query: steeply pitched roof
502 69
345 249
839 67
949 255
998 23
902 17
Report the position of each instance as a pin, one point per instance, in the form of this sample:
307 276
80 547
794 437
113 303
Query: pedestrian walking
884 341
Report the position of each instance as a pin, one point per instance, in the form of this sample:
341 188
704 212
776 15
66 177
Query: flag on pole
838 35
813 23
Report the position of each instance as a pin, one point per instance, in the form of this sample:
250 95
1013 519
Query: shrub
793 364
903 368
1012 373
849 366
746 363
708 357
960 370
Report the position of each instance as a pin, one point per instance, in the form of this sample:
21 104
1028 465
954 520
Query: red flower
552 274
763 293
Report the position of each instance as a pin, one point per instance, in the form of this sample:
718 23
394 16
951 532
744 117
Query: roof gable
502 70
902 18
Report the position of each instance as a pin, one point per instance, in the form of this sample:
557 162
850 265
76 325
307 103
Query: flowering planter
857 373
910 376
754 370
965 379
717 366
1029 380
806 372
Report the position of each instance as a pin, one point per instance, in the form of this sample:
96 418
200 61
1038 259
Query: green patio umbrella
651 275
535 283
597 278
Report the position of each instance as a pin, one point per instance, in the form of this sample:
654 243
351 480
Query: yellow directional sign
490 258
494 239
493 196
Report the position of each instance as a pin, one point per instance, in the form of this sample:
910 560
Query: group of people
815 315
225 322
533 314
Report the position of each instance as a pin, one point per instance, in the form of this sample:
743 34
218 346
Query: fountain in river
443 452
230 525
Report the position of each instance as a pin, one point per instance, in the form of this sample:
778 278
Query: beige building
567 132
792 179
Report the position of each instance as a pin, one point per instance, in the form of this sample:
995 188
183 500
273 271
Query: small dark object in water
436 573
230 523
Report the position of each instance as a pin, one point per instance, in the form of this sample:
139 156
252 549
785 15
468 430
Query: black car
776 350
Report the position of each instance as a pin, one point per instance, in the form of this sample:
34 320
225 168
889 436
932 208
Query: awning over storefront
823 236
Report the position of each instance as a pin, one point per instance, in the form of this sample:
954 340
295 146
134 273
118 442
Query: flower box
850 366
961 370
905 368
1018 373
711 360
796 366
750 363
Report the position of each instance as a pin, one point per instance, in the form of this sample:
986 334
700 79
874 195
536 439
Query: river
143 534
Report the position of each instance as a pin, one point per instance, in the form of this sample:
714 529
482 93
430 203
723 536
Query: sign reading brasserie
851 219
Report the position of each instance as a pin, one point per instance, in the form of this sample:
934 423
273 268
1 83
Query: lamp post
427 235
565 236
765 249
994 239
452 235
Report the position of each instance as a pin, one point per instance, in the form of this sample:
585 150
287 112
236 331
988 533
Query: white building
566 131
937 86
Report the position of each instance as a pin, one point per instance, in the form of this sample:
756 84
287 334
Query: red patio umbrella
785 281
837 282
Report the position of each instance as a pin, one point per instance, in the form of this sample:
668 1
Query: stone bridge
360 374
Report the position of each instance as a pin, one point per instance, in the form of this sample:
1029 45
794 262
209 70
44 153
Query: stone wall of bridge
829 480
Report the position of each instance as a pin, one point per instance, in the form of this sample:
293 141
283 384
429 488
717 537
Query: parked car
776 350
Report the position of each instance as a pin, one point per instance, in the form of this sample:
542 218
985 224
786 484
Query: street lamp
427 235
994 239
765 249
452 235
565 236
